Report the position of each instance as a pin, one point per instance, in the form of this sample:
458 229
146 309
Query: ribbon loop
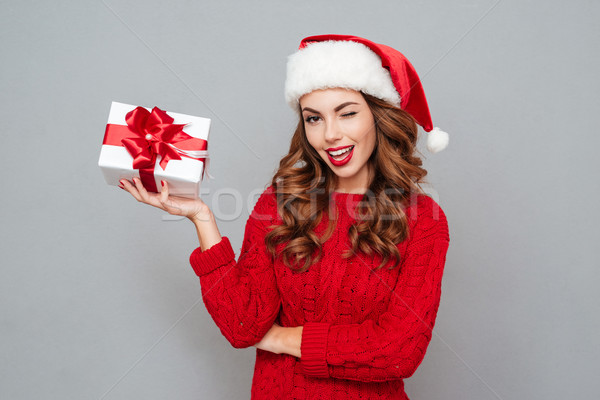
154 131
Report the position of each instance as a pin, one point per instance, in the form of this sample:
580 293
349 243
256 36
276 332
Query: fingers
131 189
165 202
164 193
159 200
141 189
140 193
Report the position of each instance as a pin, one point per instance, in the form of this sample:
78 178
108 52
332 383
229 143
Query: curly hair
304 183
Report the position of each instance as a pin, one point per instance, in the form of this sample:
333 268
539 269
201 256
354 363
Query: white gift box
183 176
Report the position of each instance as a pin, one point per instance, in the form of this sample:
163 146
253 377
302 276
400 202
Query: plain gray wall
98 300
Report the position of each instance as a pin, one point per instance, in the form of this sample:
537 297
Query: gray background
98 300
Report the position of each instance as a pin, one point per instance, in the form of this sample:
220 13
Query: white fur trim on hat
332 64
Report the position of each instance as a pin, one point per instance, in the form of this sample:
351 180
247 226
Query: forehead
330 97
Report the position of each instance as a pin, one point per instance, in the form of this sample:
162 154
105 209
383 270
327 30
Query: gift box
155 145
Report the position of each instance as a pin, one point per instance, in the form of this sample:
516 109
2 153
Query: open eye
312 118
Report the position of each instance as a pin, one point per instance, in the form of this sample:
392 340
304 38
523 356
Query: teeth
339 152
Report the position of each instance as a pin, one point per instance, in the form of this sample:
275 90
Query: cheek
369 145
312 139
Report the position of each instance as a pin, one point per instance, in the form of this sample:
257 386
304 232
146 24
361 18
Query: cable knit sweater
365 330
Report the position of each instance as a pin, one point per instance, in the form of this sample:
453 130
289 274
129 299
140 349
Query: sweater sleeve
393 346
241 297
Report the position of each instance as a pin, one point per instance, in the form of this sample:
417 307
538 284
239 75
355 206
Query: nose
333 132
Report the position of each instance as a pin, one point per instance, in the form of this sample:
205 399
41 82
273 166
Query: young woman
339 277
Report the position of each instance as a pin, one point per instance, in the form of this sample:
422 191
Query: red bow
154 129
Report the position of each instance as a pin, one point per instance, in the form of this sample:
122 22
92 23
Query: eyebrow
338 108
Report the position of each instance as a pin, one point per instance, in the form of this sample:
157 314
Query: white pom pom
437 140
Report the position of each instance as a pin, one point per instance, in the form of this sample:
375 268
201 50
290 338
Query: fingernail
121 182
162 183
121 186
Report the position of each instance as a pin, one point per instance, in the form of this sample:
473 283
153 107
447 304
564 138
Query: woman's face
339 125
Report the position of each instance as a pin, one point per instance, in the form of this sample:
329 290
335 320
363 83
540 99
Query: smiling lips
342 155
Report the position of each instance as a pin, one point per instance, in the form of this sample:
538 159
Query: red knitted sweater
364 330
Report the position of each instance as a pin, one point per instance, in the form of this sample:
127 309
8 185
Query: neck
357 184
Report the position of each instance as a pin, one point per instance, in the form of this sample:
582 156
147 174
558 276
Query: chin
342 174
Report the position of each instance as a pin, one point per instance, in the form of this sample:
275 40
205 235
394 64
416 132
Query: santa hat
330 61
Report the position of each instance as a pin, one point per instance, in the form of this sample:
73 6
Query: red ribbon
149 134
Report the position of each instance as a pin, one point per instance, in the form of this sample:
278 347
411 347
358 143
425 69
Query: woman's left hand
272 340
280 340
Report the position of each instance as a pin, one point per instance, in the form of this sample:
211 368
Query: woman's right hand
194 209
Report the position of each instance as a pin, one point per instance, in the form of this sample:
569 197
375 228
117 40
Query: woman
339 278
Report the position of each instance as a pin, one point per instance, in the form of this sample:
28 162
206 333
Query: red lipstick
343 161
336 148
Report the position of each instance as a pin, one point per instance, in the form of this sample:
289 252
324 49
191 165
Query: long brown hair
304 182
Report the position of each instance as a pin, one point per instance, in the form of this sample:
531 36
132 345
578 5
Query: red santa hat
330 61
